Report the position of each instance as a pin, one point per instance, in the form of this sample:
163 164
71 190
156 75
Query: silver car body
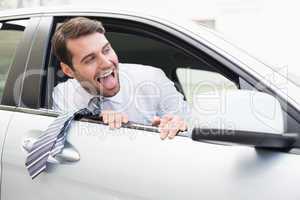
136 164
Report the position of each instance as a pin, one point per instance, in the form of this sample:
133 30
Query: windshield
272 76
287 67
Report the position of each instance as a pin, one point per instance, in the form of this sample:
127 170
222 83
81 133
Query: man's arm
174 112
58 99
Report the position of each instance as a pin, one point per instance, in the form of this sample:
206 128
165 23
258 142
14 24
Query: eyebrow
106 45
85 57
90 54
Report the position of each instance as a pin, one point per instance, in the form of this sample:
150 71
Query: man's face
95 64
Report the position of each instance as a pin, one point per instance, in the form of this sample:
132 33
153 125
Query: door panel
5 117
131 164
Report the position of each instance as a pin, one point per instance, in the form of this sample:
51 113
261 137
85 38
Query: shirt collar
117 98
87 96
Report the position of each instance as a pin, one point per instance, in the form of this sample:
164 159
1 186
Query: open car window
197 82
194 72
11 33
143 44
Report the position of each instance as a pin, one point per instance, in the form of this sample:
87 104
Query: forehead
86 44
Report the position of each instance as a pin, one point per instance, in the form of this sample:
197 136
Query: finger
104 115
183 126
124 118
167 117
173 128
164 120
155 121
111 120
163 129
118 120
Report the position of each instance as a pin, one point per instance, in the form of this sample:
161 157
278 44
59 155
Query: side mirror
243 110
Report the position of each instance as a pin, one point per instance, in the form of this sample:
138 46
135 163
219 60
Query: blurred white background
267 29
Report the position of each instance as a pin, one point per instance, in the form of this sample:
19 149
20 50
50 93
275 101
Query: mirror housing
242 110
253 119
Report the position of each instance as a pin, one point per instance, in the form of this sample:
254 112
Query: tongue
108 82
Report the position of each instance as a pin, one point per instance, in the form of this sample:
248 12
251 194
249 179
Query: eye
106 50
89 59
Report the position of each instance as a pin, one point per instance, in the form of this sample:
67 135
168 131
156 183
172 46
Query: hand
169 125
113 119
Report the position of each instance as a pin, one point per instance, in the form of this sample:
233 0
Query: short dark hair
72 29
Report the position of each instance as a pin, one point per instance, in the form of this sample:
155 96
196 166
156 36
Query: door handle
68 155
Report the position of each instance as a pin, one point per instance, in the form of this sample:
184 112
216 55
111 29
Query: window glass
133 45
196 82
10 35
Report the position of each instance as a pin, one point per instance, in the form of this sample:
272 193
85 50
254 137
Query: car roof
207 36
45 10
76 9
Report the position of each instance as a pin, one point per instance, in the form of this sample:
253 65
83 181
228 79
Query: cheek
114 58
88 73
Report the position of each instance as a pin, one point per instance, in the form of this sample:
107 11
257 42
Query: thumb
156 121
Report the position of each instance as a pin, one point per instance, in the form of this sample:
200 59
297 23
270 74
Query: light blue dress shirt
145 92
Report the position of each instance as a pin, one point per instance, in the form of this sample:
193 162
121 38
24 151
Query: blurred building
265 28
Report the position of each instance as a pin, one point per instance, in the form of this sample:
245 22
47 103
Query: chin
112 92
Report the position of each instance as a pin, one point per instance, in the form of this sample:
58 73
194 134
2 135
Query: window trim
197 47
35 72
152 32
11 95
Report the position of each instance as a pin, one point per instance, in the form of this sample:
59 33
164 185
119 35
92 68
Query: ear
67 69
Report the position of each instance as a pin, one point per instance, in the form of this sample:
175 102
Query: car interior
140 43
134 43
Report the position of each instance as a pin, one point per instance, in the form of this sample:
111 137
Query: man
132 92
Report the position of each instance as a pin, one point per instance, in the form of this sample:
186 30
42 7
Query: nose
104 61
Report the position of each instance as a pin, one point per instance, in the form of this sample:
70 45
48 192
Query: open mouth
107 79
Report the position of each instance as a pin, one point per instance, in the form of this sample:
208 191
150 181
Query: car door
12 33
129 163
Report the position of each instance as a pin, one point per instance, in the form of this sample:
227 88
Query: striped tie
51 142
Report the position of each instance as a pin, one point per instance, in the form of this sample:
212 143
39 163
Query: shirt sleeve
171 101
58 100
